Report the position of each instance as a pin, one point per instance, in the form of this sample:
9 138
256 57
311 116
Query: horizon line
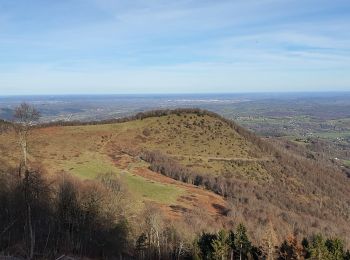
175 93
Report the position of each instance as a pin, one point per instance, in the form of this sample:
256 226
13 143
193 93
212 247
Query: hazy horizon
285 93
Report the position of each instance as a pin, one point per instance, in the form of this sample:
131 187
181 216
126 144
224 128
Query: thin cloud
173 45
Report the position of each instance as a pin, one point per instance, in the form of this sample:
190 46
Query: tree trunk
29 227
23 143
24 147
158 245
149 246
30 234
180 251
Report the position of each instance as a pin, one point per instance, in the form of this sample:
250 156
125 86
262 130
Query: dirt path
230 159
237 159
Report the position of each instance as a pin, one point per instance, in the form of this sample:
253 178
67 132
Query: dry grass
87 151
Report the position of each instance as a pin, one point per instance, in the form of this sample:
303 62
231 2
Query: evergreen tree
256 253
242 243
336 248
196 250
231 243
205 244
141 245
347 255
318 249
221 245
305 245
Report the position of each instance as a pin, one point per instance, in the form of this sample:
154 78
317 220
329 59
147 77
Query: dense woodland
45 217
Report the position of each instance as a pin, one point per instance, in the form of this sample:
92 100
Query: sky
182 46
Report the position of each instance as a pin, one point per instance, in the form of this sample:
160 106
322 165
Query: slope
263 183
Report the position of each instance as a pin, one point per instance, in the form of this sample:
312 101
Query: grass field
89 165
87 151
346 162
195 141
333 135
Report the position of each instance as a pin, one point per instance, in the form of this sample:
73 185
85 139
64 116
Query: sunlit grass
89 165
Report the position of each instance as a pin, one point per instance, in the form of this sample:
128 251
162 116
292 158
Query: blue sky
151 46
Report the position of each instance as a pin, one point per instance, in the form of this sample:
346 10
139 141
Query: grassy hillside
267 183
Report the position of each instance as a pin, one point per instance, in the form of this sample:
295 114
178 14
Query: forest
44 218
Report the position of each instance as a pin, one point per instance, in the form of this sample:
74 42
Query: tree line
169 167
229 244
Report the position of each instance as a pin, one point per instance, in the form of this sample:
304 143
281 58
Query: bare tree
25 116
153 222
269 242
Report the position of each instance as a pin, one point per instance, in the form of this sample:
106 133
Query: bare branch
26 114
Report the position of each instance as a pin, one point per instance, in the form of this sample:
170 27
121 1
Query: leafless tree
269 242
25 116
153 222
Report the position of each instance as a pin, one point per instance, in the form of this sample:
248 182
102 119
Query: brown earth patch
49 130
212 203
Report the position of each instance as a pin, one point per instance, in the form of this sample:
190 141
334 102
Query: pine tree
231 243
221 245
141 245
318 249
347 255
205 244
336 248
242 243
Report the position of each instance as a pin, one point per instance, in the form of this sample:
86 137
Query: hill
194 162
